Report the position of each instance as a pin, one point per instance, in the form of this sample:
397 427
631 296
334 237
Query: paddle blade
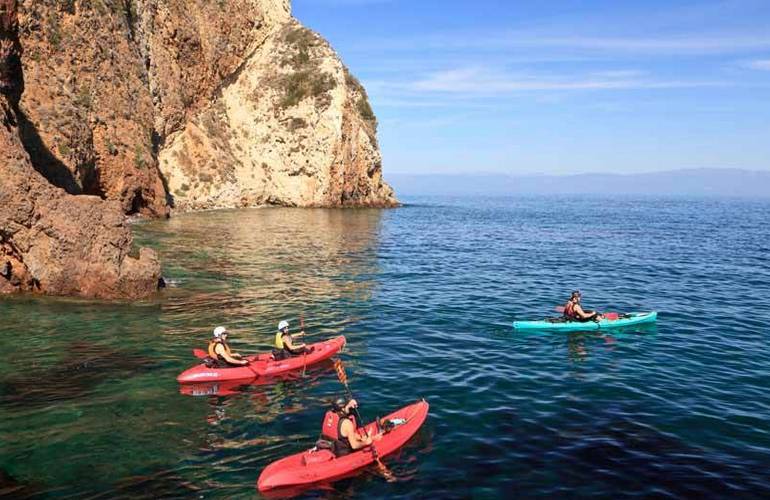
200 353
559 309
340 369
381 468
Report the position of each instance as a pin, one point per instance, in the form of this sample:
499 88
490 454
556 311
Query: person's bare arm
288 341
357 441
580 312
230 359
584 315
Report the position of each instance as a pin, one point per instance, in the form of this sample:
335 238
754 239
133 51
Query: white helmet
219 331
283 324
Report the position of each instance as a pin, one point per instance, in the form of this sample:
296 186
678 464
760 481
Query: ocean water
425 294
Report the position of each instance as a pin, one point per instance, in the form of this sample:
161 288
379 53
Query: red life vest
569 310
332 426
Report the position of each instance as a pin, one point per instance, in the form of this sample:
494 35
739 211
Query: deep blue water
425 295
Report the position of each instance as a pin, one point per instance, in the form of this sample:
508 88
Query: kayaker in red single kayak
220 352
573 311
285 345
341 428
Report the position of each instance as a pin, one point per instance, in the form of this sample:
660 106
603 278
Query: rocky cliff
51 241
237 104
293 128
143 106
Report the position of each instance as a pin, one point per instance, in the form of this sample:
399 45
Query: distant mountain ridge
692 182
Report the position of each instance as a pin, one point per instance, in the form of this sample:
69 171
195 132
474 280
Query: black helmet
576 293
339 404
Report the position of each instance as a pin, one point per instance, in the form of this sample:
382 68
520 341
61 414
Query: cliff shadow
157 143
43 160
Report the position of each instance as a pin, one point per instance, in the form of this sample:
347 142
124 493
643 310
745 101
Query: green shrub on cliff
304 84
299 41
305 79
366 112
54 31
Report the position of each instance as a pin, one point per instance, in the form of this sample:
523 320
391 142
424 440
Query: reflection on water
425 296
251 268
97 381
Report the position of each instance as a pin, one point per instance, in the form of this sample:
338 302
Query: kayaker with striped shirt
573 311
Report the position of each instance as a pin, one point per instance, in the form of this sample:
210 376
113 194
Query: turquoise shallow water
425 295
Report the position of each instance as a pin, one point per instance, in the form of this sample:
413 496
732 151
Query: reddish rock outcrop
87 115
52 242
241 104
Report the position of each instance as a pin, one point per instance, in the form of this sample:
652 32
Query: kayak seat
317 456
214 363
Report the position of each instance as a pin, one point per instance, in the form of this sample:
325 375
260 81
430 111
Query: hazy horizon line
567 174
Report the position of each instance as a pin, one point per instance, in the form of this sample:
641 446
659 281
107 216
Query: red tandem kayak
263 365
313 466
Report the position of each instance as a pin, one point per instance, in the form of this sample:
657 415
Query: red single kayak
314 465
263 365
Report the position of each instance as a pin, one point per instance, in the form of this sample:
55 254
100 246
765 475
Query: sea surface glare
425 294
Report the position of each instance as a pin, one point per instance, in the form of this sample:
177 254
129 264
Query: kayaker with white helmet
573 311
220 352
340 426
284 341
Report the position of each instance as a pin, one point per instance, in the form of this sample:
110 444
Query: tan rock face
113 86
294 128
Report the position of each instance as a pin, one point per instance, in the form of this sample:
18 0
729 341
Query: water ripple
425 295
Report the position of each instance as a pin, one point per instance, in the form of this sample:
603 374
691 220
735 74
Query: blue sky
561 86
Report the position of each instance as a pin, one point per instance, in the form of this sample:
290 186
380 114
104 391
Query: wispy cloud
343 3
684 44
760 64
480 80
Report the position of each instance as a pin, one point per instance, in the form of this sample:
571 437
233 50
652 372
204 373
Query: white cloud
760 64
684 44
343 3
478 80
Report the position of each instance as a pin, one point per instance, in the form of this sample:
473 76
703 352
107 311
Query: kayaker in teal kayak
573 311
219 352
340 427
285 345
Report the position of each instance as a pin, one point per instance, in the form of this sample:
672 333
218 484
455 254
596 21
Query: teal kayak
635 318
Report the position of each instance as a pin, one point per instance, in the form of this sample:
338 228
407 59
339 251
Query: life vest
569 310
332 426
280 344
213 352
